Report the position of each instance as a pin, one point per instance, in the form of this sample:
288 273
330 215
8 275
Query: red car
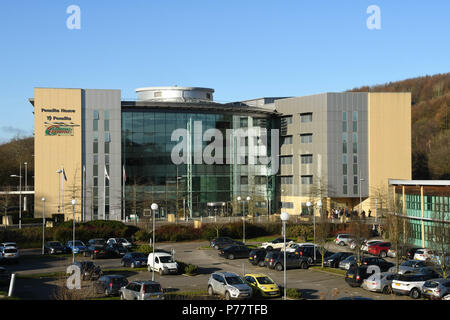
380 249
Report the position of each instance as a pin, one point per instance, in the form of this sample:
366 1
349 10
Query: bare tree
360 232
323 228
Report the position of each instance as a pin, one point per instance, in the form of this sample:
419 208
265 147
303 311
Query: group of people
341 213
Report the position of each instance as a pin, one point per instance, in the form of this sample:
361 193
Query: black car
235 251
275 260
356 275
116 250
54 247
333 260
411 252
134 260
256 257
110 284
223 242
89 271
96 248
380 262
5 276
307 251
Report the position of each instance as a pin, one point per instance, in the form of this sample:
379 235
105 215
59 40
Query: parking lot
313 284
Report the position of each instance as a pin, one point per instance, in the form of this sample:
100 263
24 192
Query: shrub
142 235
190 269
293 293
144 248
302 231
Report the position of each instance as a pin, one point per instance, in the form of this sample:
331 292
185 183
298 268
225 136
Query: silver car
379 282
142 290
437 289
410 266
228 285
343 239
9 254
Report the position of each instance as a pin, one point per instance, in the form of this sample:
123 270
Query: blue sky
242 48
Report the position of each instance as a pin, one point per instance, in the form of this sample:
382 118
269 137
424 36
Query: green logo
56 130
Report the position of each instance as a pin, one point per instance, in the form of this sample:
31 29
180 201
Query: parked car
262 285
77 247
116 250
110 285
307 251
277 243
228 285
367 243
89 271
381 282
334 260
411 252
5 276
96 249
436 289
436 259
343 239
9 254
233 252
162 262
356 275
142 290
423 254
223 242
275 260
379 249
9 244
410 284
256 257
120 241
54 247
403 252
380 262
134 260
410 266
97 242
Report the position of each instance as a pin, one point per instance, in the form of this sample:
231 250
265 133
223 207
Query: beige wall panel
52 152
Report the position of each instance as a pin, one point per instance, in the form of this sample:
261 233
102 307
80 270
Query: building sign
56 130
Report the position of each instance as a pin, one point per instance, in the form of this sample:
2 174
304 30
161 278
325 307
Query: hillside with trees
430 99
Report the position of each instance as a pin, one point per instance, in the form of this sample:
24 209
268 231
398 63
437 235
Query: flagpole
104 195
123 193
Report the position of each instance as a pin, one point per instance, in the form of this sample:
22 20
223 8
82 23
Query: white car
366 244
9 254
162 262
423 254
410 284
277 243
121 241
291 247
381 282
9 244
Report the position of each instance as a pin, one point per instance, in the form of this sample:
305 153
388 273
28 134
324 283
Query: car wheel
304 265
231 256
210 291
386 290
279 267
122 297
310 260
261 263
269 248
227 296
415 294
107 292
149 268
133 265
216 247
123 263
383 254
342 243
161 272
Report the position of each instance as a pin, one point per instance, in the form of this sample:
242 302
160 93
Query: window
96 115
95 147
307 158
260 180
355 180
286 120
345 179
107 137
307 179
244 179
306 138
355 189
355 158
286 159
344 116
106 125
355 121
344 158
95 181
95 125
344 189
95 158
157 94
344 168
287 140
306 117
355 143
106 147
344 142
287 205
106 158
355 168
243 122
287 180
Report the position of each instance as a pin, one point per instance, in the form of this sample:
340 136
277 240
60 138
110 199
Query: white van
164 263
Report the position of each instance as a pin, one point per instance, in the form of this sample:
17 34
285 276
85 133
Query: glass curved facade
190 189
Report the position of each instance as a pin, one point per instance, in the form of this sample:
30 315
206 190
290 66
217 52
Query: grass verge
328 270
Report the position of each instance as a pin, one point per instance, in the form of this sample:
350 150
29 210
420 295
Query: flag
106 174
64 174
124 174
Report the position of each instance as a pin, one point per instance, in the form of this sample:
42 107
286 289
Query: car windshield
408 263
431 284
10 250
152 288
121 240
234 280
138 255
264 280
166 259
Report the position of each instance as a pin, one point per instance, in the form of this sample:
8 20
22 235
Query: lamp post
20 194
26 184
59 190
319 204
74 202
43 225
360 198
284 218
154 207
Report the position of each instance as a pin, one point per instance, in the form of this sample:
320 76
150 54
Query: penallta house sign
57 130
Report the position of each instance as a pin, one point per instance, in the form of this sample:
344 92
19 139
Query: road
312 284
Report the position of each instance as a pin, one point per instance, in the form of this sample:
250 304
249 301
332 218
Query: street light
20 194
360 198
284 218
74 202
26 184
43 225
154 207
319 204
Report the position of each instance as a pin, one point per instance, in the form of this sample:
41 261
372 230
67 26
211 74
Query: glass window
95 181
286 120
286 160
307 179
106 114
355 115
344 116
95 147
355 168
355 180
306 117
260 180
355 189
96 115
345 179
95 158
344 168
107 137
307 158
106 125
243 122
355 126
244 179
287 205
106 158
95 136
306 138
287 140
106 147
344 158
95 125
355 158
344 189
95 169
344 126
287 180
